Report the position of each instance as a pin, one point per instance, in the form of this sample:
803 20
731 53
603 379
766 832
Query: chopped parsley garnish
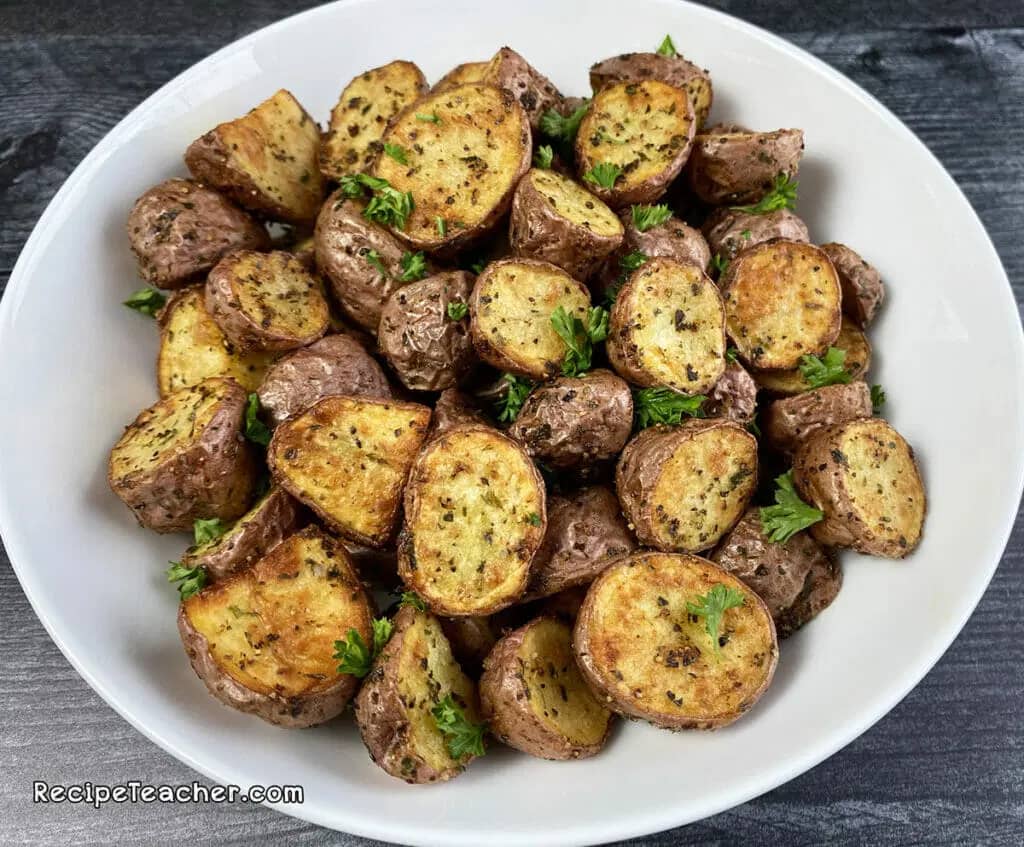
518 390
432 118
190 580
732 355
457 311
667 48
782 196
442 226
603 174
205 531
579 337
877 398
387 205
563 128
712 606
463 737
543 156
664 406
533 519
255 430
830 370
148 301
356 185
629 263
413 265
411 598
790 514
396 152
354 656
373 258
719 264
648 217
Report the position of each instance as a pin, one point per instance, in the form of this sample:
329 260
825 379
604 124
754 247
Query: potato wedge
535 699
460 75
645 130
734 396
192 348
729 231
863 476
347 458
336 364
272 518
667 327
585 532
555 220
511 308
638 644
425 342
790 420
180 229
263 638
673 70
851 340
782 302
413 673
740 167
266 301
682 488
474 517
265 161
462 169
184 458
358 120
533 91
863 290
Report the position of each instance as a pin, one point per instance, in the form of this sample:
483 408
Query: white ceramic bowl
75 366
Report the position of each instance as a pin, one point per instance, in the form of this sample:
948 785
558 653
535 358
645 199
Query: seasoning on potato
856 361
739 166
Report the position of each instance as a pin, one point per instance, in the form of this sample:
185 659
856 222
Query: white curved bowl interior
76 367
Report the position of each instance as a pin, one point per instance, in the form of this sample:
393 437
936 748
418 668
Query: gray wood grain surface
945 767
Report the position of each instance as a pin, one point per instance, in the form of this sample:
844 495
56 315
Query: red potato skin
725 170
471 639
821 588
863 290
336 364
728 231
180 229
673 70
734 396
531 89
453 408
790 420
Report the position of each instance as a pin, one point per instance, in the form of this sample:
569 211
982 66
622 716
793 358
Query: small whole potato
574 421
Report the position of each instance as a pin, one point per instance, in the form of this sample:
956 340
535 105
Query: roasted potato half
180 229
557 221
424 331
585 532
460 169
535 699
863 476
192 347
265 161
452 409
358 120
850 340
471 639
639 644
336 364
734 396
184 458
475 515
790 420
574 421
682 488
667 327
347 458
640 134
863 290
394 710
821 588
673 70
737 167
266 301
461 75
262 639
511 308
273 518
533 91
728 231
782 302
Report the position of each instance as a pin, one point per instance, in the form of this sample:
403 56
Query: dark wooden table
945 767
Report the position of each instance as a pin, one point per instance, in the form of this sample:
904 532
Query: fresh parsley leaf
382 629
205 531
255 430
148 301
373 257
396 152
414 266
745 235
790 514
457 311
190 580
782 196
719 264
877 398
432 118
533 519
579 338
648 217
354 656
732 355
464 737
603 174
712 606
390 206
629 263
442 227
411 598
356 185
664 406
518 390
667 48
818 373
563 129
543 156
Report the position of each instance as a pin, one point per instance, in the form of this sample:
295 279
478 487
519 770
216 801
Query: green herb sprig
647 217
254 429
667 47
543 156
579 337
790 514
603 174
829 370
190 580
463 737
147 301
664 406
712 606
518 390
355 657
781 196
